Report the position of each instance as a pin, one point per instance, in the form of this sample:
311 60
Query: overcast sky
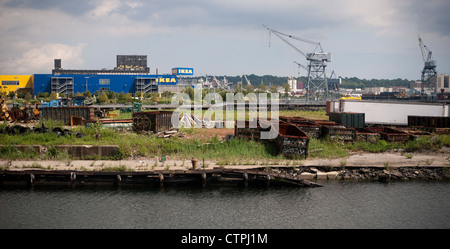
367 38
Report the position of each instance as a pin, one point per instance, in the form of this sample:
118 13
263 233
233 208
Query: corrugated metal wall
65 114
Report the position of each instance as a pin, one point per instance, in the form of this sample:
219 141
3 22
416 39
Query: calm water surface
336 205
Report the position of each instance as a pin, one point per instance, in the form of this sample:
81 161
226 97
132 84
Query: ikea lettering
182 71
185 71
166 80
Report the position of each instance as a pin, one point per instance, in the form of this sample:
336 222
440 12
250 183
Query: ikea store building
130 76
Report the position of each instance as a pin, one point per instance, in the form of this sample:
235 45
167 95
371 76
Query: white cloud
104 8
173 31
38 58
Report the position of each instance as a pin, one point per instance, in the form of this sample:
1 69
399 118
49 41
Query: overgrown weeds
225 151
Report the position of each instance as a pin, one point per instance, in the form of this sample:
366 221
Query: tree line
347 82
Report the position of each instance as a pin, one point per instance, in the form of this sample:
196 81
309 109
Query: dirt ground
206 134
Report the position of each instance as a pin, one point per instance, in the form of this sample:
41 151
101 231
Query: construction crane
317 81
248 82
333 81
429 73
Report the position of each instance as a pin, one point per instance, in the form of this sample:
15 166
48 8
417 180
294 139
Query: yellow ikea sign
185 71
166 80
182 71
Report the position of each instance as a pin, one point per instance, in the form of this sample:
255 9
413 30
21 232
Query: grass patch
120 168
323 148
225 152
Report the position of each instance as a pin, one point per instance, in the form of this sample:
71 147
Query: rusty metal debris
152 121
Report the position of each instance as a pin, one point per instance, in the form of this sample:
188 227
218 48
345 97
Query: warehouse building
130 76
16 83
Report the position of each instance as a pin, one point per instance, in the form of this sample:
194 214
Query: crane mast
317 81
429 73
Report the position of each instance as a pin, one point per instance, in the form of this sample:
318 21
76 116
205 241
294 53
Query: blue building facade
75 83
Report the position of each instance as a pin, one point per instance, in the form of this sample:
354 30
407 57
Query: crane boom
426 53
294 37
302 66
309 56
317 81
248 82
286 41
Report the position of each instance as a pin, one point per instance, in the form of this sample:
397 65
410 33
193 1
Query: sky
368 39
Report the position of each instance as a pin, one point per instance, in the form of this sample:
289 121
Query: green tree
28 97
128 98
103 98
121 97
189 91
12 94
154 98
273 88
53 96
87 94
262 88
287 89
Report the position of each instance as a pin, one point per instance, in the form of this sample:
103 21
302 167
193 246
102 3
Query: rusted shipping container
251 130
312 129
390 134
269 126
429 121
292 142
65 114
366 135
339 133
152 121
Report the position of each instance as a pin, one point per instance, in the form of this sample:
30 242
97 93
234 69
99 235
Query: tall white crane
248 82
429 73
317 81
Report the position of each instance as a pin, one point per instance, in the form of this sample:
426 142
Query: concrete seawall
370 173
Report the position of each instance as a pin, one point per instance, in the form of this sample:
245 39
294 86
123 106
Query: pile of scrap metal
170 133
24 114
21 130
188 120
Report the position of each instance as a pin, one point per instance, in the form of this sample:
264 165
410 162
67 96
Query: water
336 205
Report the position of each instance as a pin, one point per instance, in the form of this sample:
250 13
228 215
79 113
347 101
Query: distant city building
443 81
443 84
292 84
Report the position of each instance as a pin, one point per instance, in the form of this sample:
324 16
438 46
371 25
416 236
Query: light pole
86 83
